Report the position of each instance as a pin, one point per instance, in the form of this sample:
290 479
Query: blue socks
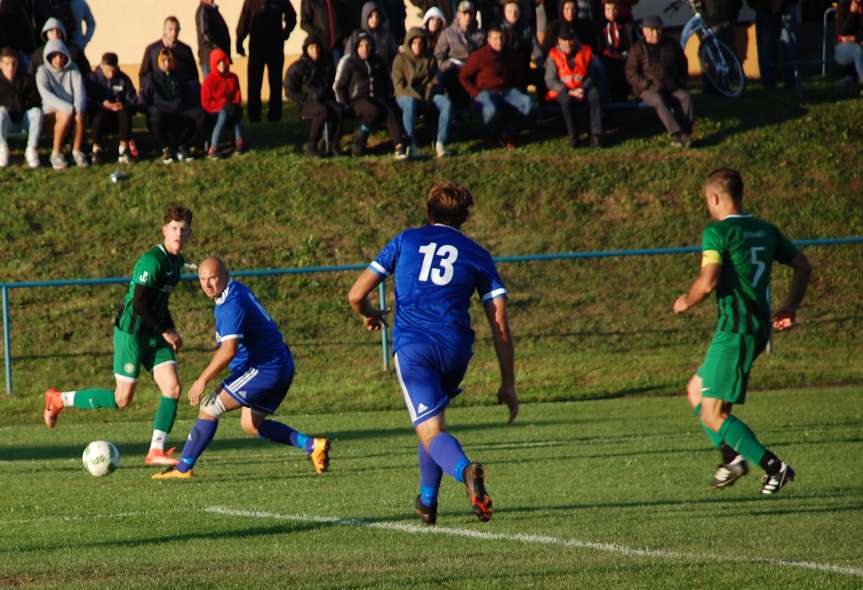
201 435
430 476
446 452
282 433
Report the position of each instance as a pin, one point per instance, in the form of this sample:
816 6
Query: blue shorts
429 377
261 388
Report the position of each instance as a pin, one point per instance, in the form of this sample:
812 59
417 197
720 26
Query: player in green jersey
738 251
144 335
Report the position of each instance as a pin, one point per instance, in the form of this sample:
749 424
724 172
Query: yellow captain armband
710 257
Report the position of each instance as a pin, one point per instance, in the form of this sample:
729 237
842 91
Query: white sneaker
58 162
4 155
80 159
440 150
32 157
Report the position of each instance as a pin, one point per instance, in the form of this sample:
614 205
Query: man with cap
658 72
453 47
570 83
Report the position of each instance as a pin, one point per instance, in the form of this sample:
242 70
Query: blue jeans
222 120
492 103
409 107
772 38
847 53
31 123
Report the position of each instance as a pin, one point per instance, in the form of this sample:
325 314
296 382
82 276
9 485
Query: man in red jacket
220 96
490 77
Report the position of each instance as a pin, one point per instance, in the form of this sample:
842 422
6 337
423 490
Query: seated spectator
309 83
447 8
212 33
615 41
658 72
53 29
455 44
519 37
82 15
568 78
417 90
849 35
173 108
185 69
373 24
578 14
20 108
363 83
64 101
326 20
490 77
433 24
220 96
114 99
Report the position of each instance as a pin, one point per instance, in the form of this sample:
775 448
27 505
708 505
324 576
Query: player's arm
786 314
221 358
358 296
142 305
495 312
702 286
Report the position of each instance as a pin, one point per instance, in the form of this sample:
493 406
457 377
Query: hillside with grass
592 328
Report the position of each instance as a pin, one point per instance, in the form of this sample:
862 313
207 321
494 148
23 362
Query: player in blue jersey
251 346
437 270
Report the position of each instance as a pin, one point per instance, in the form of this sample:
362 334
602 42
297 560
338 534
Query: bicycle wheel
722 68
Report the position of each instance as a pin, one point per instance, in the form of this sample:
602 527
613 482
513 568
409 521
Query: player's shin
200 436
714 437
446 451
91 399
284 434
739 437
166 413
430 478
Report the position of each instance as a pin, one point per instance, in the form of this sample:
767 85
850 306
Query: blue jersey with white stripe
239 315
437 270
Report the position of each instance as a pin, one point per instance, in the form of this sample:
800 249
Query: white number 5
760 267
449 255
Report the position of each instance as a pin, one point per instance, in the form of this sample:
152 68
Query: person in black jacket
849 36
20 106
326 20
309 83
363 83
185 68
212 33
268 24
114 97
615 41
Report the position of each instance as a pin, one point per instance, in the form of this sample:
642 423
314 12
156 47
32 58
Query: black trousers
570 106
105 121
273 60
318 113
371 110
177 129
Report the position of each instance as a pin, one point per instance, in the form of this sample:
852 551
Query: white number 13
449 255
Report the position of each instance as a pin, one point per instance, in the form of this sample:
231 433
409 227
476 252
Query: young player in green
738 251
144 334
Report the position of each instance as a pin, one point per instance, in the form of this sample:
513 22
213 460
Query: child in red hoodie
220 95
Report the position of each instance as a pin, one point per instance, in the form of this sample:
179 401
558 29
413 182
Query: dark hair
726 181
172 19
496 28
178 213
448 203
110 59
8 52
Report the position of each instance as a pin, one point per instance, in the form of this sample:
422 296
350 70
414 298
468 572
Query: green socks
94 399
165 414
714 437
738 436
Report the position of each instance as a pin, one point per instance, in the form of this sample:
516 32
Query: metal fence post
382 292
7 350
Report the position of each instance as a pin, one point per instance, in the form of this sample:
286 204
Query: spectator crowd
505 59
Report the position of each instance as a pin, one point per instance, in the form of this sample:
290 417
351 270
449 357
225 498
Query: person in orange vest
568 78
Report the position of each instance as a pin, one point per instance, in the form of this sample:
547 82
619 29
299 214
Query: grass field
597 494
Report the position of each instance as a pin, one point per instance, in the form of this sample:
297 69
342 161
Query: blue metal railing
5 287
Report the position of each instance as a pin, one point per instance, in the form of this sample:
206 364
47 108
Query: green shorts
725 371
131 352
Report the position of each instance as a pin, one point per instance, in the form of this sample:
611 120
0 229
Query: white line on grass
535 540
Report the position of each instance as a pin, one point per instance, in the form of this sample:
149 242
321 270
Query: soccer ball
101 458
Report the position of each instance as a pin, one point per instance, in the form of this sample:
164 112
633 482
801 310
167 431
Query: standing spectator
309 83
625 9
373 23
434 23
849 35
363 83
325 20
417 90
220 96
569 82
658 72
455 44
774 22
173 107
447 8
53 29
184 68
268 24
42 10
64 101
20 107
394 16
82 15
115 99
212 33
16 30
576 14
615 41
490 77
520 38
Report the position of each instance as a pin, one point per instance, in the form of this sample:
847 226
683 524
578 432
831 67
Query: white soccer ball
101 458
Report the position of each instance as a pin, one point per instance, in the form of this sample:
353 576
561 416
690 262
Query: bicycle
719 64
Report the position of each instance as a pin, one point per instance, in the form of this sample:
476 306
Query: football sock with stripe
430 477
739 437
728 454
201 435
282 433
93 399
771 463
446 451
166 413
714 437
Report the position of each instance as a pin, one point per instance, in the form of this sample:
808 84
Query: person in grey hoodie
53 29
373 22
64 100
453 47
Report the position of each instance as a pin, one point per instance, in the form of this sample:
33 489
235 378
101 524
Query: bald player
252 348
